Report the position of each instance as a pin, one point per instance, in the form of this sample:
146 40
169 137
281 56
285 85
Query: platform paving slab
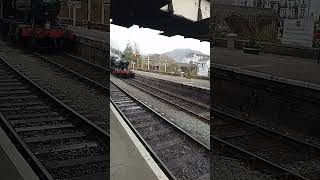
12 165
97 35
129 158
204 84
286 67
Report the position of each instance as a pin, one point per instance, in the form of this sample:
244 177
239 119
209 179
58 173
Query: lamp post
309 8
165 66
74 16
102 12
89 11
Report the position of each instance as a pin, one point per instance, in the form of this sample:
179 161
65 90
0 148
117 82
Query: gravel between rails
189 105
196 128
92 104
223 168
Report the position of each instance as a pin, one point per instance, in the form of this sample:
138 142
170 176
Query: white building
202 61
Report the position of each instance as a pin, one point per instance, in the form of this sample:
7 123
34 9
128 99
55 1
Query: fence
86 24
258 28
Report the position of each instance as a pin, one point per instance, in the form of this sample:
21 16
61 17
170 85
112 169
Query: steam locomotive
120 67
33 22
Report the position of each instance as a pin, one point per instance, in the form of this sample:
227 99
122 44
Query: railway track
274 169
180 155
55 140
290 153
250 137
89 85
193 108
92 73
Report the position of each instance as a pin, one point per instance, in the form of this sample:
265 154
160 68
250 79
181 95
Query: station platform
129 158
199 83
293 70
12 165
97 35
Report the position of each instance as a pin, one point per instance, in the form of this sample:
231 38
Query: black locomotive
33 21
120 67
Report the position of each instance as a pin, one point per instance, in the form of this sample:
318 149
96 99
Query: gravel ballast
89 102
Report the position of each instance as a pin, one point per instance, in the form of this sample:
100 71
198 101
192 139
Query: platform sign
298 32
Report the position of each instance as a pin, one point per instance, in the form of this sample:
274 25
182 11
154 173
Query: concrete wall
92 51
263 99
195 93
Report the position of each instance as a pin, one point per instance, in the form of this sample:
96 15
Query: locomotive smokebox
124 64
116 61
120 63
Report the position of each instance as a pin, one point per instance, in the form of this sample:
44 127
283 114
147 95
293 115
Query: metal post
1 9
199 11
102 12
148 63
318 53
142 63
170 7
74 16
69 8
165 66
309 10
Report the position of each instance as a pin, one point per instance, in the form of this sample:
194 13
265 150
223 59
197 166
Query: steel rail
87 79
239 119
202 118
36 165
148 147
255 161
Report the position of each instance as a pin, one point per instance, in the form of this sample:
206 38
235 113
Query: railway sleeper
65 148
36 119
44 127
54 137
75 162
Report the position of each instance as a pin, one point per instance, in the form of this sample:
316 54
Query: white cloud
149 41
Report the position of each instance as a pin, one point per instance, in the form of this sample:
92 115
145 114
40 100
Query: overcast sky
149 41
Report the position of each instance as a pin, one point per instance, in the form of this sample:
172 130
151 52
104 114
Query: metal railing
261 29
85 24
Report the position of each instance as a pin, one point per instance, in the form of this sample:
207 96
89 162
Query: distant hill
179 55
159 57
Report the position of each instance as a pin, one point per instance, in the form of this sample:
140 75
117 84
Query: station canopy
148 14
